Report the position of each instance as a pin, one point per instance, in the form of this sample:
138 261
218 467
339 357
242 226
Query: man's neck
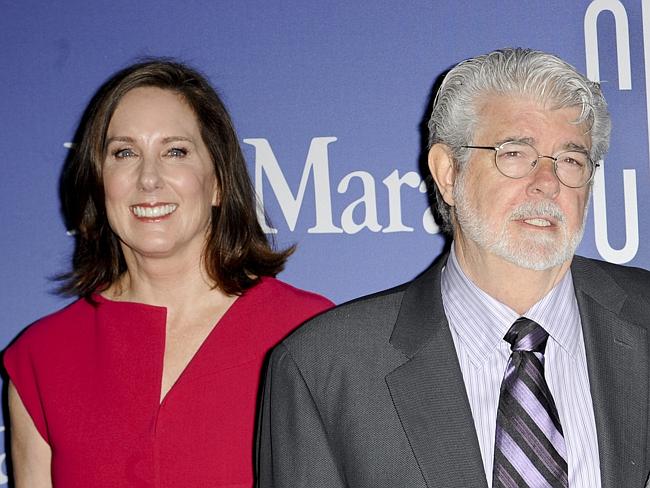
518 288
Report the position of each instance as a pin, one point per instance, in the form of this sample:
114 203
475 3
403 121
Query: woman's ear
216 195
443 171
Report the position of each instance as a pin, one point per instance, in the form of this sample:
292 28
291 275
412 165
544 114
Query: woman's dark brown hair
236 253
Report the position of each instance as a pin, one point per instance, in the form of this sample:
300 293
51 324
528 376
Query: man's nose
544 177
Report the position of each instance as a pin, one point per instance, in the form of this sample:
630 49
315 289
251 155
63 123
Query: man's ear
443 171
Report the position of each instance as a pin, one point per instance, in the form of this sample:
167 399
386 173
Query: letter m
316 163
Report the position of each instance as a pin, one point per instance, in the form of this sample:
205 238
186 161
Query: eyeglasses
515 159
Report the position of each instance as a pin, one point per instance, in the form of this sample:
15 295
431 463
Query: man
508 363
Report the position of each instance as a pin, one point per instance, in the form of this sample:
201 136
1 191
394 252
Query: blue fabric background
292 73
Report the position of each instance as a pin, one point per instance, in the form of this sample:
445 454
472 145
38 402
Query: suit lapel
428 390
617 362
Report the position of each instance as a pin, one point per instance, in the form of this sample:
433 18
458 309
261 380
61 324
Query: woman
151 377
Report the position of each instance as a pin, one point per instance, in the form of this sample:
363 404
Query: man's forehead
506 117
518 102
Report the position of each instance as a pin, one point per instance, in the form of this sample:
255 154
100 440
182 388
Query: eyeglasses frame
533 165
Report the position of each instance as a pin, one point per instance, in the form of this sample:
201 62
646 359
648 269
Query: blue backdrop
328 99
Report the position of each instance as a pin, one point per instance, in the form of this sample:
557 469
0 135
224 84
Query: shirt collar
557 312
480 321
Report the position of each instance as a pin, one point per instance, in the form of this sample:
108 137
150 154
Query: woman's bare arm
31 456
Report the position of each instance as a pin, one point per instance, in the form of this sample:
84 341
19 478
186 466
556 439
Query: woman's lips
153 211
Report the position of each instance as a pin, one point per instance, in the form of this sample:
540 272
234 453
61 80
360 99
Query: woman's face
158 176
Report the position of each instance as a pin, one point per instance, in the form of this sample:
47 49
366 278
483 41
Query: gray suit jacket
370 394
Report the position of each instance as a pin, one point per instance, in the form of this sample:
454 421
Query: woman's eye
177 152
123 153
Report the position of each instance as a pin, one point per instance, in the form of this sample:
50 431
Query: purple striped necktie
529 446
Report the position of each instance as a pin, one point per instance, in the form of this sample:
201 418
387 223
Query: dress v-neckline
218 325
225 317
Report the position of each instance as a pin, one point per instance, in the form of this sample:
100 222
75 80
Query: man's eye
177 152
512 155
570 161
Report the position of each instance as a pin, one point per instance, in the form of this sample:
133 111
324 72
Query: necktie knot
526 335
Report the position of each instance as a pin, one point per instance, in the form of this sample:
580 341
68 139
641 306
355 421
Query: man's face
534 222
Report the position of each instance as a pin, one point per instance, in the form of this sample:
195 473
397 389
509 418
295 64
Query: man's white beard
533 250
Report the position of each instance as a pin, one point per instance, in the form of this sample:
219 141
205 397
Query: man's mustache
528 210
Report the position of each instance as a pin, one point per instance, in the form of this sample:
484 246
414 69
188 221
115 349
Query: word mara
317 166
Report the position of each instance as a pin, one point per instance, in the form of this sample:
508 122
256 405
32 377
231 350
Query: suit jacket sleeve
293 446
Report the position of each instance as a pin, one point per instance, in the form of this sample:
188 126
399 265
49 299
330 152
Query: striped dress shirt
478 323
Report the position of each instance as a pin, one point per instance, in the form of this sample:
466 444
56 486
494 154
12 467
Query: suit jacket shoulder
350 326
621 290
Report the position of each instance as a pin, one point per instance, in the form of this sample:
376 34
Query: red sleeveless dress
90 377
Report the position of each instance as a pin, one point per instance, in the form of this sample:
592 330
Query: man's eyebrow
572 146
569 146
527 140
